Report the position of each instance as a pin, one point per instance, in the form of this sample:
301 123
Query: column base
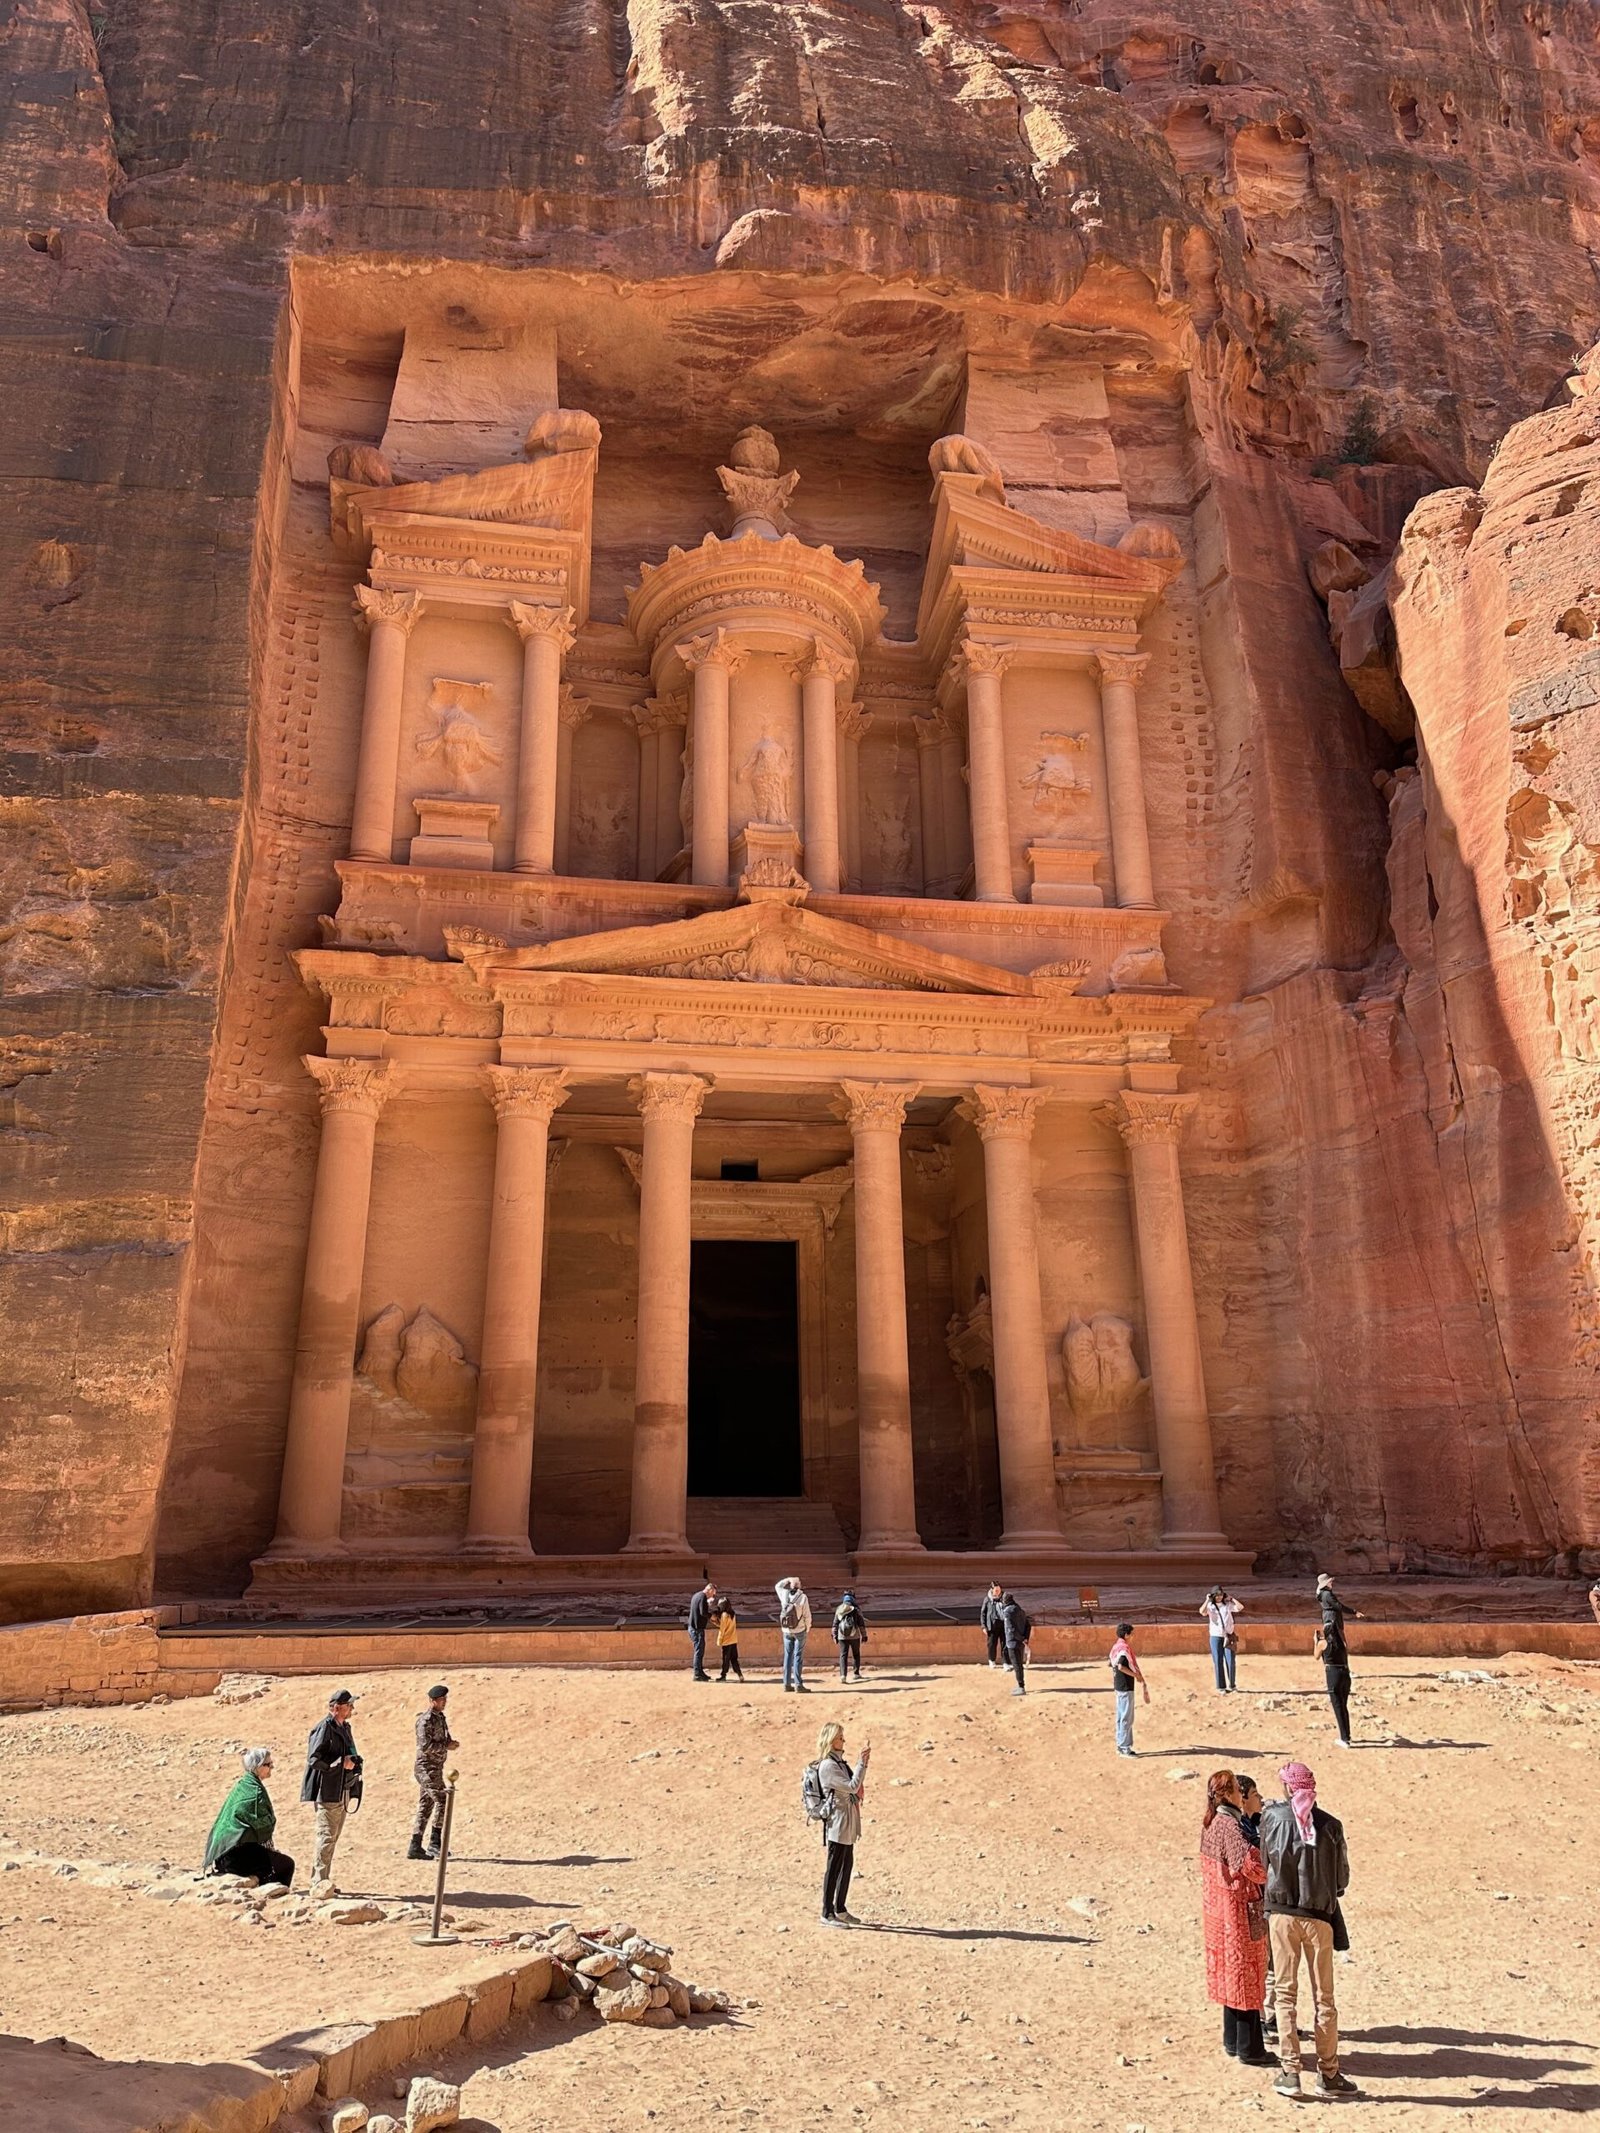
497 1548
289 1548
1041 1540
663 1547
527 867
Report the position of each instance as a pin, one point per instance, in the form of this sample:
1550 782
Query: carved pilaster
526 1092
360 1087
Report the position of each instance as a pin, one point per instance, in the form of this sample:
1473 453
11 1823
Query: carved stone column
819 674
388 619
1004 1119
713 661
311 1493
546 633
853 724
932 734
985 666
670 1104
524 1099
669 836
574 710
1120 674
876 1111
1152 1126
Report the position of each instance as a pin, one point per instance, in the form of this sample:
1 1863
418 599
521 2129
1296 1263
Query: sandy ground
1035 1959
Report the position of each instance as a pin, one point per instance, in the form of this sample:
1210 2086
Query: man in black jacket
993 1627
701 1609
1016 1629
332 1768
1308 1870
1335 1653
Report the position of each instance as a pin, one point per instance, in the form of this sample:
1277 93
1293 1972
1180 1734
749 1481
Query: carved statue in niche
1058 780
1103 1375
420 1363
602 827
1139 969
686 788
458 741
956 454
767 774
755 488
891 830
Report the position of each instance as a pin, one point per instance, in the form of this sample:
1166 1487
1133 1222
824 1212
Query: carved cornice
713 648
358 1086
876 1106
529 620
1002 1114
527 1092
1145 1121
669 1095
1126 667
400 610
785 584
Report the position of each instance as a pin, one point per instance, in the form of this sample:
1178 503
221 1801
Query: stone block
489 2008
531 1984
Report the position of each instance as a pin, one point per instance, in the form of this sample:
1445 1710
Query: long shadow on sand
1057 1940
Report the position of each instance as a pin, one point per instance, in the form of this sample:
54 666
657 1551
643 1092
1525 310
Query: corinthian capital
1143 1119
820 658
1128 667
669 1095
931 728
574 708
712 648
360 1086
529 620
978 655
526 1092
1002 1114
399 609
660 714
851 720
877 1104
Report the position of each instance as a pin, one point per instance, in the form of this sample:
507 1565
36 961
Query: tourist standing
993 1629
1124 1674
849 1633
1016 1629
1594 1599
332 1781
842 1790
434 1743
1219 1609
1308 1870
728 1641
701 1609
1231 1881
241 1837
1251 1804
794 1619
1334 1652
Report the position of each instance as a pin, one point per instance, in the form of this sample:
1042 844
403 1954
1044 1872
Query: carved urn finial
755 488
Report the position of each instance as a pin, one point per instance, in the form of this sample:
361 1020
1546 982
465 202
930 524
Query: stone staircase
749 1542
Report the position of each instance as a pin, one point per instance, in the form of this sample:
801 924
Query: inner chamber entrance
744 1369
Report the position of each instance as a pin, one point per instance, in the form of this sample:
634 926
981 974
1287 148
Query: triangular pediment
751 944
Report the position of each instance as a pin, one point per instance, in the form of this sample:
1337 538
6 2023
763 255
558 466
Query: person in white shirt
1219 1609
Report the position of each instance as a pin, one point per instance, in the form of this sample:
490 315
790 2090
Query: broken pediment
554 491
752 944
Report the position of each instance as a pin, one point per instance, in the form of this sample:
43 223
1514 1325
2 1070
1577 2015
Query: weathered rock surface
1230 210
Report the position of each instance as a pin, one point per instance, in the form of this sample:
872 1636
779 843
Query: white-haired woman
842 1789
241 1836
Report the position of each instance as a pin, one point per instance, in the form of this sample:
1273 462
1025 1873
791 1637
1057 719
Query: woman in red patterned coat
1232 1878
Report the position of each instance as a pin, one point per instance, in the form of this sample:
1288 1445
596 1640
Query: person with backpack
701 1609
849 1633
728 1642
1124 1673
989 1617
794 1619
831 1793
1016 1629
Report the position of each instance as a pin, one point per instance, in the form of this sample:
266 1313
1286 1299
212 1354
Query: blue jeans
794 1652
1222 1661
697 1645
1124 1718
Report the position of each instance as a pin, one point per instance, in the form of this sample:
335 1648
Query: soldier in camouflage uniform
433 1745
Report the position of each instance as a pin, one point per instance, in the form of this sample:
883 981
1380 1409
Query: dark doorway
744 1370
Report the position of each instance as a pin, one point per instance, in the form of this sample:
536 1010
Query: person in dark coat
701 1608
1308 1870
849 1633
333 1771
1016 1629
993 1630
434 1743
1335 1653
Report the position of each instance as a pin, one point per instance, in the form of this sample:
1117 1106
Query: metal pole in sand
436 1939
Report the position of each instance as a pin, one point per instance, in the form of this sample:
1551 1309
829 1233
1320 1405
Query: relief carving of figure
686 790
421 1362
891 830
457 740
1103 1375
602 827
767 774
1058 780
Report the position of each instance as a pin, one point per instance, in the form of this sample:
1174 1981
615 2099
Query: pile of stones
622 1975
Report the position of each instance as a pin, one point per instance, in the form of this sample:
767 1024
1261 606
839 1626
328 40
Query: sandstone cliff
1369 235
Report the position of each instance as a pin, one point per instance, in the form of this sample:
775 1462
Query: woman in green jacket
241 1836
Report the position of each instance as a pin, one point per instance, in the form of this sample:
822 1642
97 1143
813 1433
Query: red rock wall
1371 233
